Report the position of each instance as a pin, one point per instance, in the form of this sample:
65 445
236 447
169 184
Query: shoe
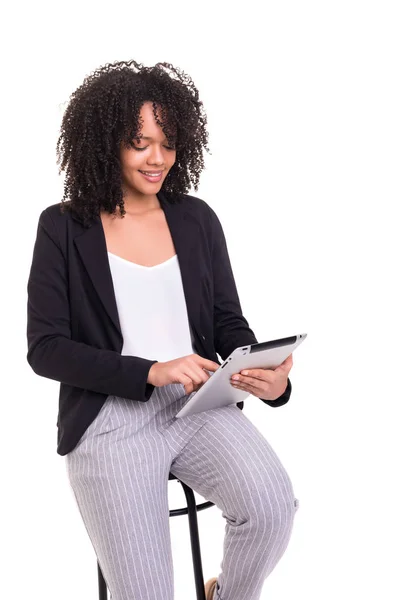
210 588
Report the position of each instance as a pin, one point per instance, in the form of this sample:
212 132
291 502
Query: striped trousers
119 475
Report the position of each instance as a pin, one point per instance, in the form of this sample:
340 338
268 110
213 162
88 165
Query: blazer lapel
92 248
185 234
91 245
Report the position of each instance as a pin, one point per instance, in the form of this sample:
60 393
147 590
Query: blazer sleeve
51 351
231 329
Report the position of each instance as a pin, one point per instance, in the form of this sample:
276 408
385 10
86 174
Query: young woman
131 296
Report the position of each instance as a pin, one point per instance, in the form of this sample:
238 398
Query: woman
129 331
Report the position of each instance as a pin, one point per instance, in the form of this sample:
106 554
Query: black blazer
73 330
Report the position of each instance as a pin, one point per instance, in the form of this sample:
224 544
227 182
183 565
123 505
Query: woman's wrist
152 372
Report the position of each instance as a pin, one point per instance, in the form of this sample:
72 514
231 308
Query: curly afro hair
104 112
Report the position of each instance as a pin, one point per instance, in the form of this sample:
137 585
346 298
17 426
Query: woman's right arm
51 351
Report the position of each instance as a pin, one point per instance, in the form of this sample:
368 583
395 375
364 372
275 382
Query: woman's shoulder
61 215
60 210
200 208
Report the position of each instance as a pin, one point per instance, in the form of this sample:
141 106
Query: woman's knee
273 510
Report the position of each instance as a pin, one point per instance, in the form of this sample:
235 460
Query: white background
303 105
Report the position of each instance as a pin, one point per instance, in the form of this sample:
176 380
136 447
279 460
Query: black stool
191 511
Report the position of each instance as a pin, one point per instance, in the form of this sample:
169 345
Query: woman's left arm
232 330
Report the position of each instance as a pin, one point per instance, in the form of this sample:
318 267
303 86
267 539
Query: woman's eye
140 149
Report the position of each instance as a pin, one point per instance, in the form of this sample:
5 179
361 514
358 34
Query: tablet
217 391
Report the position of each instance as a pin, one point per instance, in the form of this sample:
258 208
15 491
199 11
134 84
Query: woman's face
148 155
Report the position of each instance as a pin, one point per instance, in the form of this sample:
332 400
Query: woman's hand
188 370
267 384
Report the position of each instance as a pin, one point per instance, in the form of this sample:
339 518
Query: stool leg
195 542
102 584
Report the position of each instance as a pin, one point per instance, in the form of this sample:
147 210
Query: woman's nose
156 156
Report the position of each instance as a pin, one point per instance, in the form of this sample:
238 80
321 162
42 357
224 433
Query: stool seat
191 510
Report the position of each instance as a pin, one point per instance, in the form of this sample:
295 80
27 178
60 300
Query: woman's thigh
229 462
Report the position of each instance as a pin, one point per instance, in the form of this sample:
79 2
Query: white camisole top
152 309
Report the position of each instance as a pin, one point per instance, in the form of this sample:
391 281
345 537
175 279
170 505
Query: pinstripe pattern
119 475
